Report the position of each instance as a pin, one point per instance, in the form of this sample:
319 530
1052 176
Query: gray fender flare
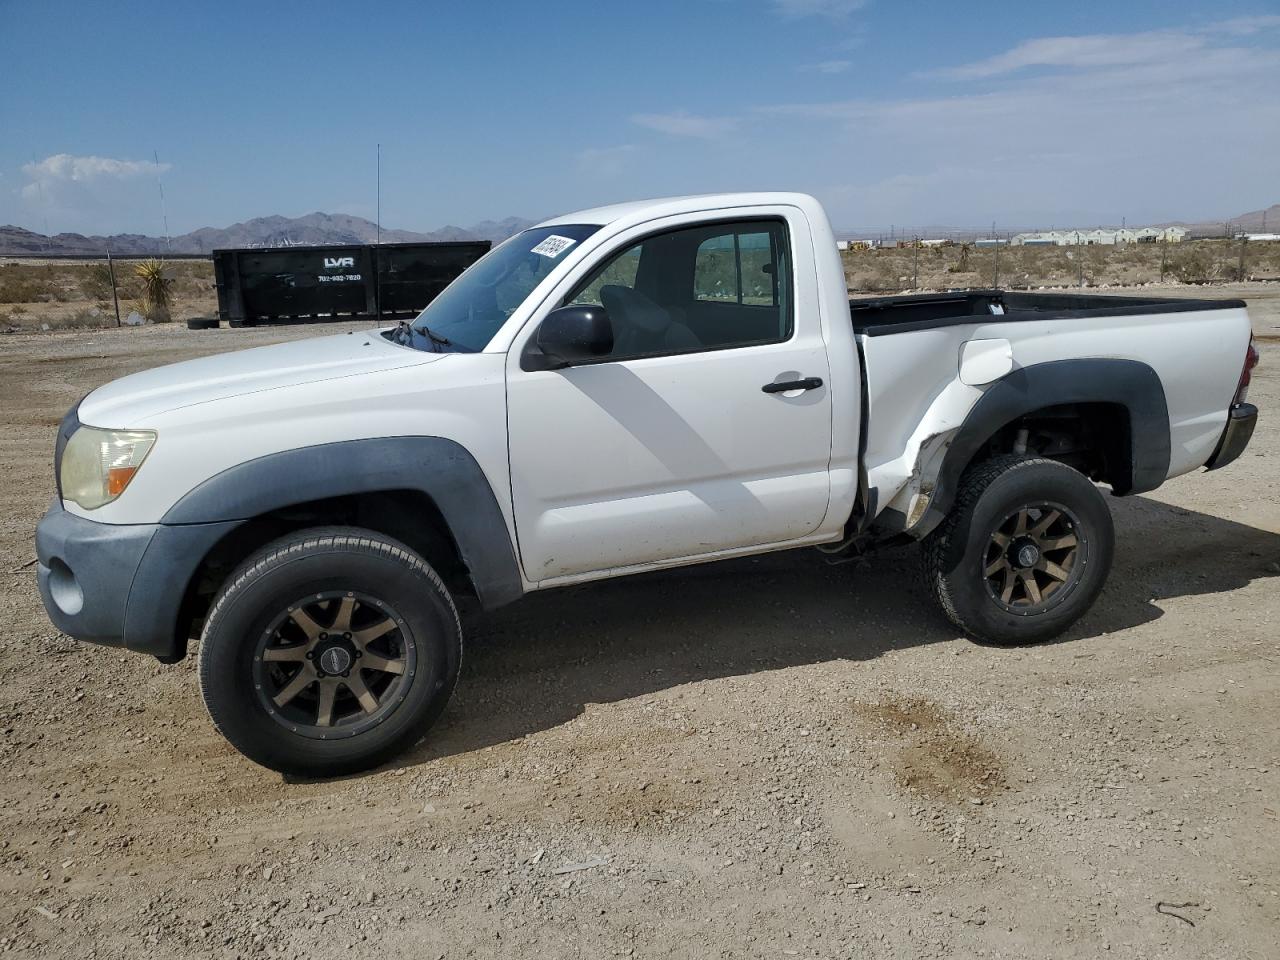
435 466
1127 383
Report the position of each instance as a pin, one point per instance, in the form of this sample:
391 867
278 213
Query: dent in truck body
1129 384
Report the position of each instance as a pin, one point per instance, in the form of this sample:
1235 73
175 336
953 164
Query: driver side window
709 287
620 271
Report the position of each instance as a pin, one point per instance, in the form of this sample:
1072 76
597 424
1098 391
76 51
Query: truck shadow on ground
534 665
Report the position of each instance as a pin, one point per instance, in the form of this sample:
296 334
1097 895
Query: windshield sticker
553 246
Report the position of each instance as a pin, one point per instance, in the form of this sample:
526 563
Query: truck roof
639 211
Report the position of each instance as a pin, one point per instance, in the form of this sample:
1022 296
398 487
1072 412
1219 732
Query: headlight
97 464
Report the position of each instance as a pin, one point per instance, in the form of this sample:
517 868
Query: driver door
668 449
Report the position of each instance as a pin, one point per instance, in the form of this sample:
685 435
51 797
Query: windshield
466 315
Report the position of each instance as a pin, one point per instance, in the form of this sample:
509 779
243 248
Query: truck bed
910 350
886 315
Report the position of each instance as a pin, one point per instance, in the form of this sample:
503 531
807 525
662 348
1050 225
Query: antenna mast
164 213
377 245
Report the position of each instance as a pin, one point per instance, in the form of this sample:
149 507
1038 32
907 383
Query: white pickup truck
618 390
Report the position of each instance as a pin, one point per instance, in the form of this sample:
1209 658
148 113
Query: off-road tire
339 561
956 555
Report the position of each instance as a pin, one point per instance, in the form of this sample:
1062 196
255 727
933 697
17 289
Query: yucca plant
156 295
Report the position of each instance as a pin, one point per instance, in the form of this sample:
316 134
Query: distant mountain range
313 229
340 228
1255 221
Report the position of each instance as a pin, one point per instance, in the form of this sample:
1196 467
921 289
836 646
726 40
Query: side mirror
573 334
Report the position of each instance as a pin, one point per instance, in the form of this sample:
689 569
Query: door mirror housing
570 335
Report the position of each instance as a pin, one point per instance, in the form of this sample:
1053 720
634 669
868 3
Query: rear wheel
329 652
1024 552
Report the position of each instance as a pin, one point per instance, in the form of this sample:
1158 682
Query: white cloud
1111 49
682 124
65 167
90 191
1100 50
830 67
1115 126
833 9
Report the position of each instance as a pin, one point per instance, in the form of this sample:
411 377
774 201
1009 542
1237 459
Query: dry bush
96 282
157 291
888 270
1194 264
25 283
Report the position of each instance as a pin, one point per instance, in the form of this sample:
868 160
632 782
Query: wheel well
1094 438
409 516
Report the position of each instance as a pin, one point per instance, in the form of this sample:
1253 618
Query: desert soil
758 758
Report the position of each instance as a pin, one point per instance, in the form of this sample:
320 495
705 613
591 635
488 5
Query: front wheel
329 652
1024 552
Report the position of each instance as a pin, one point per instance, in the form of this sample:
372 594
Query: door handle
808 383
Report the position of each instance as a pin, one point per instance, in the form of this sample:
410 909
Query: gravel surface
758 758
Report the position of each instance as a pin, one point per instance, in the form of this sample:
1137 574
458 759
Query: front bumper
120 585
1235 436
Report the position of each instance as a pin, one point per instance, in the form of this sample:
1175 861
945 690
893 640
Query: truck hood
131 401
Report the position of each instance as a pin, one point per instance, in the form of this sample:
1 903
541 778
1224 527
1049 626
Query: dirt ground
757 758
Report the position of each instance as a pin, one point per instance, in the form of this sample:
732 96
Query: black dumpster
314 284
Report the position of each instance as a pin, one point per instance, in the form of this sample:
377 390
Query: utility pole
915 264
995 280
111 269
377 245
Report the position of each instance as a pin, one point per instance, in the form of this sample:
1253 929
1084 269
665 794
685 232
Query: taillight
1251 359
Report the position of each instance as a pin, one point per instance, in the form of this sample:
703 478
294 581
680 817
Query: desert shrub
1097 263
191 278
90 318
1264 260
1193 264
156 300
96 282
963 265
22 283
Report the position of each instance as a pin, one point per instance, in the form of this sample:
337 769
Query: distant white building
1079 238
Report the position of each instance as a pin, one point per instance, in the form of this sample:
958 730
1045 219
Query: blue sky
908 113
